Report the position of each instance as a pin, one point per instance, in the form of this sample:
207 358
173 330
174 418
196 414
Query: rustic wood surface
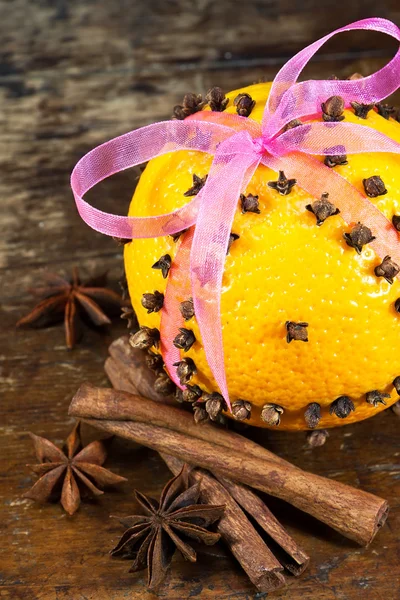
73 74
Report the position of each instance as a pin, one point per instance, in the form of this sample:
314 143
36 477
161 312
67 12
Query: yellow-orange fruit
285 268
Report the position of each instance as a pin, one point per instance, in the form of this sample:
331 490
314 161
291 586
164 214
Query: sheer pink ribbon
239 145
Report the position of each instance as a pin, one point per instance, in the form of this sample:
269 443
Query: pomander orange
284 271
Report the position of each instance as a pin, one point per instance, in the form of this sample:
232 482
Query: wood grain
73 74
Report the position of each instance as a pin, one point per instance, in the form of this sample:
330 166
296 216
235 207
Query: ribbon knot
239 145
260 145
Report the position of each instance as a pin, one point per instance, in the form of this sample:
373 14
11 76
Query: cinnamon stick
356 514
129 361
261 566
255 557
207 431
291 555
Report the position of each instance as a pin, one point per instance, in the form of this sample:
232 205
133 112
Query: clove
185 370
164 264
323 209
282 185
333 109
342 407
358 237
387 269
296 331
185 339
271 414
145 338
312 415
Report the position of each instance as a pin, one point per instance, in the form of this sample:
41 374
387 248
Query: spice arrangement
234 465
262 263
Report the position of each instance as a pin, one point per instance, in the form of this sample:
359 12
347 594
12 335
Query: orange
285 268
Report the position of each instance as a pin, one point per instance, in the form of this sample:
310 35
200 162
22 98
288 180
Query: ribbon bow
239 145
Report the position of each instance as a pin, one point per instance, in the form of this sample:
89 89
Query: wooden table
72 75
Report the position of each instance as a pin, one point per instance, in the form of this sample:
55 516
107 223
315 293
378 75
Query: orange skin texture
285 268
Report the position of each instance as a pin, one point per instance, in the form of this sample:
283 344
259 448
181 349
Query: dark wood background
73 74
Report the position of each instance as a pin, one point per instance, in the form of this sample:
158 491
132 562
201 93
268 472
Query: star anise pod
65 473
69 301
152 538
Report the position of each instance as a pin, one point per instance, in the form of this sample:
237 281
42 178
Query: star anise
69 301
65 473
152 538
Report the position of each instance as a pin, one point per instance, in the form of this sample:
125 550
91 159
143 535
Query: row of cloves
359 236
332 108
373 186
216 100
211 405
332 111
322 208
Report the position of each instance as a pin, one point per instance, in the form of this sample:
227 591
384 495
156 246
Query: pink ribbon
239 145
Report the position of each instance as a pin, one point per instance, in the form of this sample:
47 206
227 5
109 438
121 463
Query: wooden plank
71 76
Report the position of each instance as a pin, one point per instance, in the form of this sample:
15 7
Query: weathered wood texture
73 74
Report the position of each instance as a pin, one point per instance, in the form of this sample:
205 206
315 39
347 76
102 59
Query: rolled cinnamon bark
128 362
356 514
261 566
290 554
126 410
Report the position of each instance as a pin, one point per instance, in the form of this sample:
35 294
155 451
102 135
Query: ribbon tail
332 138
228 177
314 177
178 289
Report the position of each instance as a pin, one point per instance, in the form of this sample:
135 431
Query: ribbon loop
135 148
289 100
